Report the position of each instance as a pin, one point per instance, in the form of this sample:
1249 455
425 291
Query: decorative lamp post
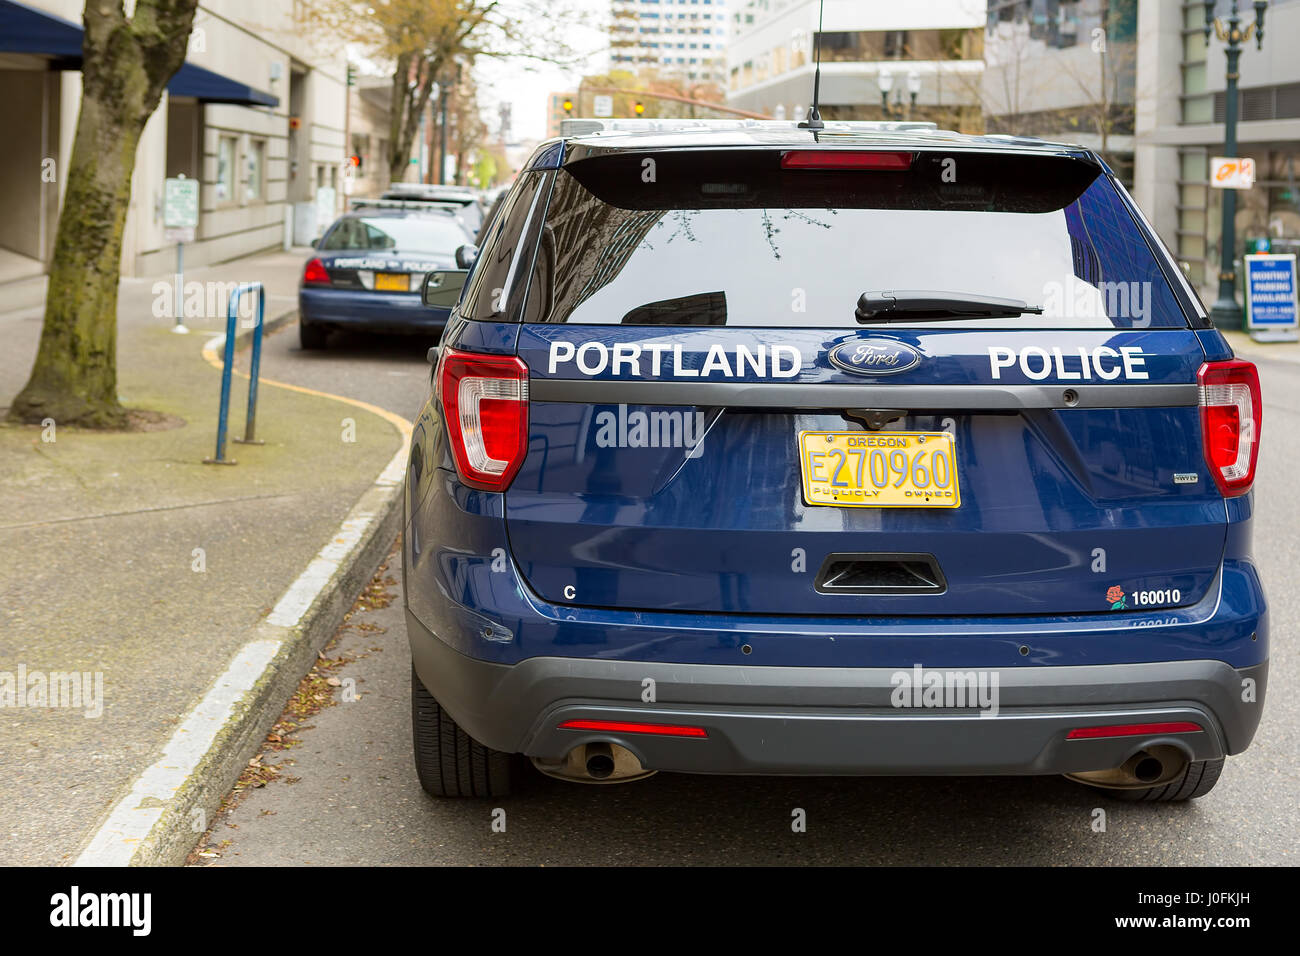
1226 313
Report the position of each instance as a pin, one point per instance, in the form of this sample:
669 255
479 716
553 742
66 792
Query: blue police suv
872 449
368 267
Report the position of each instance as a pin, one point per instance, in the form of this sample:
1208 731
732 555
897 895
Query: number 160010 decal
1160 597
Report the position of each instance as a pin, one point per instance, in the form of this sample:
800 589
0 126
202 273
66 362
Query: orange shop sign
1232 172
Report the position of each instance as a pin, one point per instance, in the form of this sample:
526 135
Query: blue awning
191 80
24 30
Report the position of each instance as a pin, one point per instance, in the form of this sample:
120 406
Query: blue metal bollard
227 366
255 364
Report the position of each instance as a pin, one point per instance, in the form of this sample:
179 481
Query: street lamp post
1226 313
885 81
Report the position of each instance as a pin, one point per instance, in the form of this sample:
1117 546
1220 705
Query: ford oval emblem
874 356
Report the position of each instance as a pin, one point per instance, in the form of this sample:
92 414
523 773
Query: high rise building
685 39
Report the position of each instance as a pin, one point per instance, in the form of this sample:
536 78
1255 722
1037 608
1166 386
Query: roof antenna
814 119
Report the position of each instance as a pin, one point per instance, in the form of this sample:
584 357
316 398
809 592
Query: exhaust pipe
600 761
1150 767
597 762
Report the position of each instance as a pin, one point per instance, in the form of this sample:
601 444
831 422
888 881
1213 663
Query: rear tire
1197 779
311 336
448 761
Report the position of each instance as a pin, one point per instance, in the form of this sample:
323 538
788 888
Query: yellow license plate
392 282
879 469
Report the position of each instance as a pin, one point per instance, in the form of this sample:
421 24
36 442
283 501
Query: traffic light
568 107
639 108
354 161
352 75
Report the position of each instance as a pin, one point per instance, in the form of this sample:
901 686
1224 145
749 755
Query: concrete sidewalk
1246 347
125 559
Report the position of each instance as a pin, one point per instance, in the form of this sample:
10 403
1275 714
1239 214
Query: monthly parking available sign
1272 313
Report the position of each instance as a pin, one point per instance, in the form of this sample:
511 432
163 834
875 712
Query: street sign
602 106
180 203
180 217
1232 172
1272 309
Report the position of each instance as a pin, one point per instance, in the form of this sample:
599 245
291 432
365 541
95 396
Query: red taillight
485 398
1231 412
1134 730
315 273
845 159
633 727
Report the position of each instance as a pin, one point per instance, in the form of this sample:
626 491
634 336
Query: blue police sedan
368 268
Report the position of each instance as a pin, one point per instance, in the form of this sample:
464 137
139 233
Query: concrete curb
159 820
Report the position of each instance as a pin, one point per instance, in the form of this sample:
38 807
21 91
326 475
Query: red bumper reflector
628 727
845 159
1133 730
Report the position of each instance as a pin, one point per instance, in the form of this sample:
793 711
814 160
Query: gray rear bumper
823 720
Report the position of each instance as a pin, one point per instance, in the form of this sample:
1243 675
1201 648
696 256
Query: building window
255 172
227 149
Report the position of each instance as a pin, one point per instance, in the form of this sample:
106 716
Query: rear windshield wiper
935 306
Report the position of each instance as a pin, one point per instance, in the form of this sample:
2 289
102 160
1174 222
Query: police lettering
659 358
1082 364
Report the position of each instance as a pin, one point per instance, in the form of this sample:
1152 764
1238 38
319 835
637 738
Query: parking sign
1272 313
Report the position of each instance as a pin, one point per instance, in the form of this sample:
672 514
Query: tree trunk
408 102
126 64
399 154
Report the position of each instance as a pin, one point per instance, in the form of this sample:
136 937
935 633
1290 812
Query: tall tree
126 63
426 39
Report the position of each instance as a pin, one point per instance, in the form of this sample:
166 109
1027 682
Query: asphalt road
347 793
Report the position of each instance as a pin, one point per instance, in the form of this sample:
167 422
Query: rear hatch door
713 427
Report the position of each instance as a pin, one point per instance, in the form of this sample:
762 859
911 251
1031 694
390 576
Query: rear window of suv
714 238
